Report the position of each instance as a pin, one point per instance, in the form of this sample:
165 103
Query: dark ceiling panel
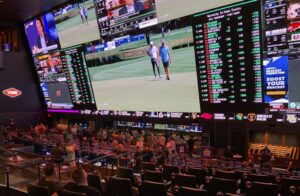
23 10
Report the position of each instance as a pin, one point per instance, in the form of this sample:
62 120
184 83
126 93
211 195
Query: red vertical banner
15 40
1 42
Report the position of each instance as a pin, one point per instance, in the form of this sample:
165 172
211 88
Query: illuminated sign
12 92
251 117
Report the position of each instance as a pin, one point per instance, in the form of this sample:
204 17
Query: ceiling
19 11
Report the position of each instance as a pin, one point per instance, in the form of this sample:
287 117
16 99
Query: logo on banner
12 92
291 118
251 117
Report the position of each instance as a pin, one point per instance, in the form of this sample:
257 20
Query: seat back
94 181
261 188
199 173
148 166
154 176
123 172
12 191
119 187
223 185
187 191
168 170
239 174
149 188
226 174
36 190
186 180
259 178
66 192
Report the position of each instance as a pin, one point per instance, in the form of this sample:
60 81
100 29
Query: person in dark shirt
191 143
138 159
160 156
265 159
50 180
207 184
58 153
122 155
148 154
228 152
80 184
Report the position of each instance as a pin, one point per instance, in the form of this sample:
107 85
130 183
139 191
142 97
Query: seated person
207 184
50 180
228 153
80 184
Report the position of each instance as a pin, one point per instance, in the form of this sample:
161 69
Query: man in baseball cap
154 55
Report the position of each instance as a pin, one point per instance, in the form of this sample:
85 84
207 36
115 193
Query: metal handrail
16 154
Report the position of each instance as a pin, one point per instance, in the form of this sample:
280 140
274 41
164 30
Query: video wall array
156 59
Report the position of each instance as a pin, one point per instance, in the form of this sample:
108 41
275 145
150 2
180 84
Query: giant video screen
146 71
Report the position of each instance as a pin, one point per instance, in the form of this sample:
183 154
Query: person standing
85 11
70 149
154 54
191 143
165 54
12 124
58 153
81 15
265 159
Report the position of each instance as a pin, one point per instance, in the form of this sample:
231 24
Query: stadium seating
187 191
155 176
149 188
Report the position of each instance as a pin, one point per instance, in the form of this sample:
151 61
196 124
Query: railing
111 159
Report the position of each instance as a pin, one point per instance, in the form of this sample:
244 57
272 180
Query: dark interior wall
19 73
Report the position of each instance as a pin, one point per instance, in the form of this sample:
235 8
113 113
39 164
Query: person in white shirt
154 55
81 15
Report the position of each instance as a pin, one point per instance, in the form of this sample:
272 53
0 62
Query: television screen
53 81
147 72
120 17
282 27
76 23
229 58
282 54
171 9
42 34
